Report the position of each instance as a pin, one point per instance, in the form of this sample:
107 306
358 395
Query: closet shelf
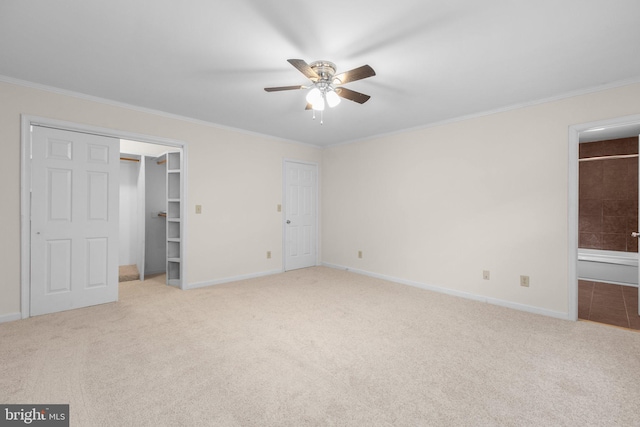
174 223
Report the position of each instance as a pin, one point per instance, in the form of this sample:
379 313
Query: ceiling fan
326 87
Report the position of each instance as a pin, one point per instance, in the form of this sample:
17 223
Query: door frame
572 206
25 189
284 209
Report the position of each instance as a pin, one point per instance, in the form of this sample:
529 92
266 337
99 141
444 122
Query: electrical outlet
486 275
524 281
198 209
268 254
359 254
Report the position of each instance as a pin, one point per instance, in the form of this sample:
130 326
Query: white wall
128 244
447 202
156 232
235 176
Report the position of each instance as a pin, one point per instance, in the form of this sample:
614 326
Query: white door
300 215
74 220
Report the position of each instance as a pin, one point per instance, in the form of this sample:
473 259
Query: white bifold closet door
74 220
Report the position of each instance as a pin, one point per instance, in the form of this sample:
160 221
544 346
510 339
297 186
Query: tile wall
608 195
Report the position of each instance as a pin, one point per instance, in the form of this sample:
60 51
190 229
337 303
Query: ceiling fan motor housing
325 69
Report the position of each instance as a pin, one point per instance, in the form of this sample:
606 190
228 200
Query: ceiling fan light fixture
332 98
314 96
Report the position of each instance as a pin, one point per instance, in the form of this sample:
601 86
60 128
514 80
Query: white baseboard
10 317
453 292
232 279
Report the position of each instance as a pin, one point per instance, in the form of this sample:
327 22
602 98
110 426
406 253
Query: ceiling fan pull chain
321 117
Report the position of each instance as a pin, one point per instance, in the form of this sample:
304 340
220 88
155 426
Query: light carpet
318 347
128 273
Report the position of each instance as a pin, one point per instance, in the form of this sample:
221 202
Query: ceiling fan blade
355 74
308 107
304 68
352 95
279 88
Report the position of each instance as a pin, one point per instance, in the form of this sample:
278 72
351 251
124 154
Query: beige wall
434 206
235 176
437 206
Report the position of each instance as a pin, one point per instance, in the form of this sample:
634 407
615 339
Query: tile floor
607 303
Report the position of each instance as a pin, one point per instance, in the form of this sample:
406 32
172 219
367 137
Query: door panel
98 196
97 255
74 220
301 215
58 258
59 195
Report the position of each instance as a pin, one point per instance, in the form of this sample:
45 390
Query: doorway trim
572 207
25 190
284 209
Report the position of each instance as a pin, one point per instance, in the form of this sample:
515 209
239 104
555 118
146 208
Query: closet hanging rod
129 159
162 162
619 156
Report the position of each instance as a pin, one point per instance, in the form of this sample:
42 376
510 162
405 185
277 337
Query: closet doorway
144 198
175 225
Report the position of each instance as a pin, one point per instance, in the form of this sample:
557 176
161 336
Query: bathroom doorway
604 162
607 217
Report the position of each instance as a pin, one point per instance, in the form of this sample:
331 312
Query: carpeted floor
318 347
128 273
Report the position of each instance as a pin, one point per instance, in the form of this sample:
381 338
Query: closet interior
150 211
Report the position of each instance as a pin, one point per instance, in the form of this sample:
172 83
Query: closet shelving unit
174 221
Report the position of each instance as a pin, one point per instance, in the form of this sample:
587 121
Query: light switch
279 208
198 209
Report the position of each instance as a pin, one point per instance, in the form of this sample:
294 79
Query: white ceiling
436 60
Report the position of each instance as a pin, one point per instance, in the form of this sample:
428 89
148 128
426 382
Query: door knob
288 222
635 234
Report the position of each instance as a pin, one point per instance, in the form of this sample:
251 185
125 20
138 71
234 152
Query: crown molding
92 98
565 95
